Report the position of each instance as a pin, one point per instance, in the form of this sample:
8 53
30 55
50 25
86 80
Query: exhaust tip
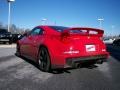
77 65
100 62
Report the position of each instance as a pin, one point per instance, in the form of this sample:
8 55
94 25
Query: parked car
108 40
116 42
16 37
5 36
62 47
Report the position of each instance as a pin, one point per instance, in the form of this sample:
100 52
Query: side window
36 31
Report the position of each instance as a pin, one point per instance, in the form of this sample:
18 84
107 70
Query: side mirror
25 34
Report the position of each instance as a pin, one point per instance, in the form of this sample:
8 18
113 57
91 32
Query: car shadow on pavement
114 51
28 60
3 58
59 71
67 70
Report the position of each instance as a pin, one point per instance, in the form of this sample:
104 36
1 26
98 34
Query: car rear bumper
69 62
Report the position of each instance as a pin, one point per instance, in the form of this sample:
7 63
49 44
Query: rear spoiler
87 31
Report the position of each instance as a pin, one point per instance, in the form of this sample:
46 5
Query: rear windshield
74 31
59 28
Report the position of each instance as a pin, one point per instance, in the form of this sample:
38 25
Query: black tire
4 42
18 50
44 60
10 41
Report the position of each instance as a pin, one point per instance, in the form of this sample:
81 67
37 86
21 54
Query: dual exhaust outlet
78 65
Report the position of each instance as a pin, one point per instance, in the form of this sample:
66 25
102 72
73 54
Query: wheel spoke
43 59
42 65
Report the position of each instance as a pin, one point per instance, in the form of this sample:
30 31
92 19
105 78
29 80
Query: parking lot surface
20 74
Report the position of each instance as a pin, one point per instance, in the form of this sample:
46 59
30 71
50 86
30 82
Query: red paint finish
70 43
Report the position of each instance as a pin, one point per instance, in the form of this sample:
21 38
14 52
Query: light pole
44 21
113 26
100 22
55 23
9 13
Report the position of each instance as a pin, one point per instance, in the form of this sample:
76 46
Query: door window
35 31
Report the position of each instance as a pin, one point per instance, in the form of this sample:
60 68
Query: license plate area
90 48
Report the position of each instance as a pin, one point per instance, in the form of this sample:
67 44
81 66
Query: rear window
59 28
75 30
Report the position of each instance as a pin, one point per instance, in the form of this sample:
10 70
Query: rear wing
84 31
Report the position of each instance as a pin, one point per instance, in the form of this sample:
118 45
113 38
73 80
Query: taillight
65 37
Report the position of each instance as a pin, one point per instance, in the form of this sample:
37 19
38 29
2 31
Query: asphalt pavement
20 74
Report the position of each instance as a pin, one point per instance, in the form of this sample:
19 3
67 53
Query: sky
73 13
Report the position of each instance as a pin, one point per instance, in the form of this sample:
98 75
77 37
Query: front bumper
5 39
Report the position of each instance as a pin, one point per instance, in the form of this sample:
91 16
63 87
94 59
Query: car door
34 39
24 45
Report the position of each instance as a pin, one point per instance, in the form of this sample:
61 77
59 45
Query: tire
18 50
10 41
4 42
44 60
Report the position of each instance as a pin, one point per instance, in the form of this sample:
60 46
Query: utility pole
44 21
100 22
9 13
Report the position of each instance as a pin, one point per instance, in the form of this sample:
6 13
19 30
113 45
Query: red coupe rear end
75 46
63 47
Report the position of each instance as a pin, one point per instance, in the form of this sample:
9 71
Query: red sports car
62 47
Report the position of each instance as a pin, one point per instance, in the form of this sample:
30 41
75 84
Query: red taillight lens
65 37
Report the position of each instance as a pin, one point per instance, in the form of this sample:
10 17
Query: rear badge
88 37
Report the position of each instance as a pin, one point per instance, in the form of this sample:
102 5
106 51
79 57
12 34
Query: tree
13 28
